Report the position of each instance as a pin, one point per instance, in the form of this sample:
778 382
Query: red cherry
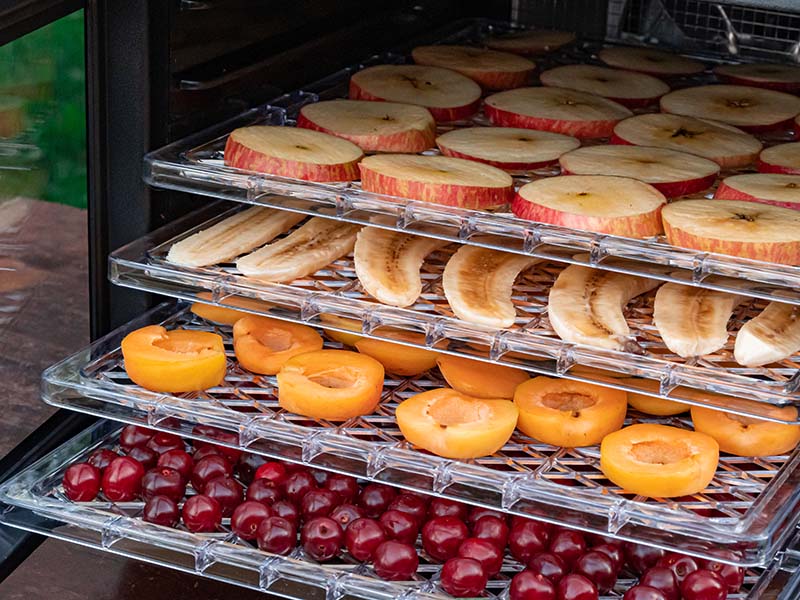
527 585
597 567
442 536
133 436
286 510
320 476
395 561
161 511
273 473
545 530
201 514
463 577
491 528
548 565
679 564
321 538
206 451
731 575
227 491
662 579
703 585
399 526
122 479
318 503
163 481
568 545
81 482
144 455
344 514
215 433
614 552
640 558
442 507
262 490
595 539
101 458
526 539
643 592
576 587
375 499
343 486
485 552
412 505
276 535
247 517
208 468
476 513
247 465
297 485
362 537
180 460
161 442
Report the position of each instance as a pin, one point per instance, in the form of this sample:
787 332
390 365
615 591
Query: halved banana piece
478 284
304 251
233 236
585 306
388 262
771 336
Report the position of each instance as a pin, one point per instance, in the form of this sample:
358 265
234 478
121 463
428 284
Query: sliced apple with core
744 229
626 87
293 152
726 145
508 148
601 203
769 188
751 109
579 114
531 43
448 95
671 172
372 126
784 78
490 69
650 61
783 158
439 179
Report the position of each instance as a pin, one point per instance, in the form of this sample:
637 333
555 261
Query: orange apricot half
224 315
651 405
745 436
659 461
569 413
397 358
330 384
451 424
348 339
174 361
263 345
480 379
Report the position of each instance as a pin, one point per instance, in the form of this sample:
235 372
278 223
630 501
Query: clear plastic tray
195 164
530 343
750 507
36 502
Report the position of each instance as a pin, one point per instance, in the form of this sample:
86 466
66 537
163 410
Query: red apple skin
579 129
456 113
644 225
508 166
778 86
787 124
412 140
673 189
726 192
241 157
764 167
496 81
463 196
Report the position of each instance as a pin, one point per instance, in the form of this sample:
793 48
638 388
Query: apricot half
174 361
480 379
659 461
569 413
263 345
451 424
330 384
651 405
397 358
223 314
745 436
348 339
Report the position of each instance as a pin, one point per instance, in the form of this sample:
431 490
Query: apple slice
450 96
373 126
769 188
650 61
783 158
626 87
784 78
582 115
752 109
293 152
491 69
671 172
726 145
531 43
601 203
439 179
744 229
506 147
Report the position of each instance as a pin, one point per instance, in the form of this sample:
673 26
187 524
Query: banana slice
388 262
771 336
232 237
693 321
585 306
304 251
478 284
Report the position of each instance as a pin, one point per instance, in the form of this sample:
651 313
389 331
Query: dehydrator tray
35 501
195 164
750 508
648 367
